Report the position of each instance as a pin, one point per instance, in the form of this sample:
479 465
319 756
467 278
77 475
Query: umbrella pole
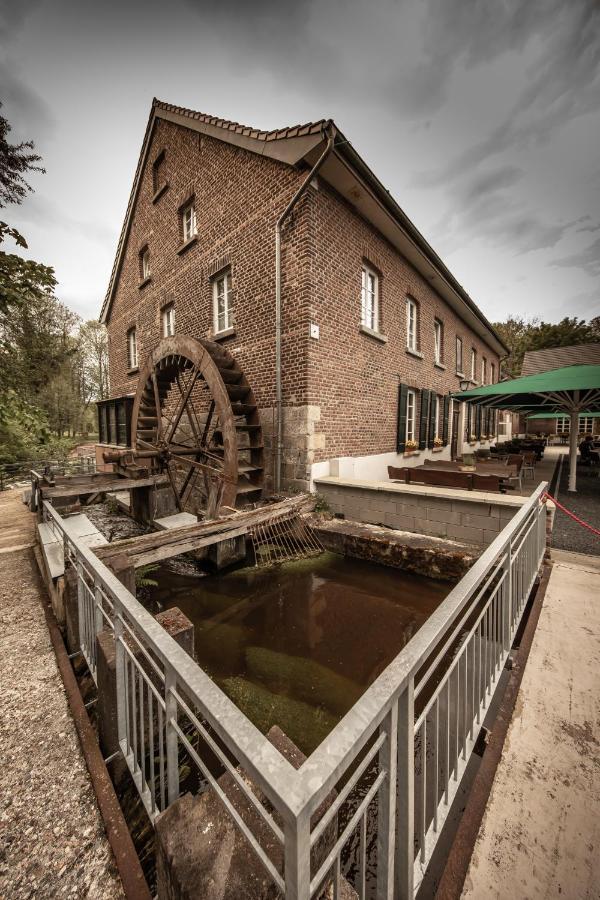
573 450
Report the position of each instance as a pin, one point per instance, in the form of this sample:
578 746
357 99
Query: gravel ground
52 840
567 534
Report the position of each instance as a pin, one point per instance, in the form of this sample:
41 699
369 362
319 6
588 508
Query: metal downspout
330 131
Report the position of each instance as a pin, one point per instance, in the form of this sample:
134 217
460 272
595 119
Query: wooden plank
193 537
114 484
193 542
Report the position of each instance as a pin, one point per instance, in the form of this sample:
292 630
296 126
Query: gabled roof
556 357
344 170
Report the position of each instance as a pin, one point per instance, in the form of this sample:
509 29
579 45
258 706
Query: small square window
222 303
412 324
132 350
188 222
369 316
145 271
168 320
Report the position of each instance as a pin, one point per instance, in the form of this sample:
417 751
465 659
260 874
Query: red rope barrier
579 521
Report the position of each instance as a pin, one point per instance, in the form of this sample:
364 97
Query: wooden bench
439 477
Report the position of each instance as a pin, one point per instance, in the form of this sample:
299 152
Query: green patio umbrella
568 391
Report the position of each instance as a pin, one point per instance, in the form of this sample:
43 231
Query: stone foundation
420 554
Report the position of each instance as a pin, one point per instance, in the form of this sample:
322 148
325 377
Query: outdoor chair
529 461
516 459
445 478
396 473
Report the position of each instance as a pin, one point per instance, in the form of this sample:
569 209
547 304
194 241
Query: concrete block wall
471 517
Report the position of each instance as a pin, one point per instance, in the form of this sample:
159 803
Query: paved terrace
540 836
52 841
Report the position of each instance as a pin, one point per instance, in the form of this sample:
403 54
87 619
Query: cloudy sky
482 117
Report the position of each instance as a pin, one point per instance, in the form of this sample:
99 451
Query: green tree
521 335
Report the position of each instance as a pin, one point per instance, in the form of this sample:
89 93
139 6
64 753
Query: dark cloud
587 259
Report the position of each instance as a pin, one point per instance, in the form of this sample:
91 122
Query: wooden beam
93 485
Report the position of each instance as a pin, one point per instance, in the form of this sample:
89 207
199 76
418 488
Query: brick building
375 330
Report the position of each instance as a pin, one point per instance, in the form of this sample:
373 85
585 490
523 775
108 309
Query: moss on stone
305 725
305 679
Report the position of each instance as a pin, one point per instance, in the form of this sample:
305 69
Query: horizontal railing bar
267 863
343 794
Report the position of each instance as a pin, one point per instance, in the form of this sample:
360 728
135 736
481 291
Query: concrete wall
472 517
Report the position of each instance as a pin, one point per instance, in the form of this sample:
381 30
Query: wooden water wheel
195 419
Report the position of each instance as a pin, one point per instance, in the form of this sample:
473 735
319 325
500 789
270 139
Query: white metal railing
388 771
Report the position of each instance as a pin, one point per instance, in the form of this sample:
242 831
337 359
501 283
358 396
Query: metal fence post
386 805
81 636
172 744
405 805
120 674
297 858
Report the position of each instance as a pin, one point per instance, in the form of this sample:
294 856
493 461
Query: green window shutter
424 417
445 420
469 428
401 437
431 436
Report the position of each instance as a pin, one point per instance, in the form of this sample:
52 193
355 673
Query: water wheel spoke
158 407
201 466
175 488
191 412
183 403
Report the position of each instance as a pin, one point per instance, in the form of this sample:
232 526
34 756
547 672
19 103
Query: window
436 415
411 324
563 425
473 364
132 353
222 305
483 369
586 425
188 221
168 320
370 299
145 270
158 172
438 334
492 373
459 356
411 399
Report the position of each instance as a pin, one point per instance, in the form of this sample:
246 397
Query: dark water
296 645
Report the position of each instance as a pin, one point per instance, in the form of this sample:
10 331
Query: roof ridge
229 125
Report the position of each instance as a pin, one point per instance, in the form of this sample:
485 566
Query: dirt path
52 841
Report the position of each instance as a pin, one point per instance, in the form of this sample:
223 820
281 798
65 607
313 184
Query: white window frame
168 320
369 299
563 425
586 425
412 324
411 414
146 270
436 429
473 364
132 351
492 373
188 221
438 340
459 343
223 278
483 369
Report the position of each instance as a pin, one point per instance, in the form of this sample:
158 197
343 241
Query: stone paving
52 840
540 835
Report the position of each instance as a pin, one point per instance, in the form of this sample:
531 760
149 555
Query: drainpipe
329 130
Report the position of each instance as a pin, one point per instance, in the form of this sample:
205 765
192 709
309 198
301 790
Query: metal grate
282 538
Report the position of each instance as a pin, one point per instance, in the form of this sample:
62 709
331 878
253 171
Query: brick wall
340 391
